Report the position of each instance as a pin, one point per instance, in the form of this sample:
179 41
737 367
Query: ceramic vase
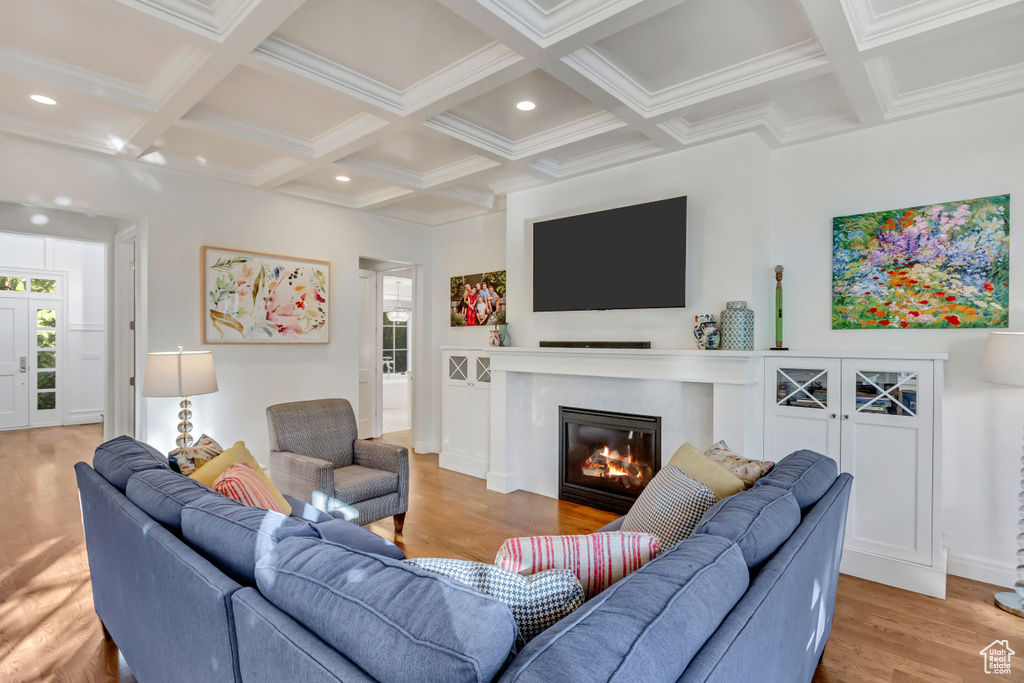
705 332
503 334
737 327
495 339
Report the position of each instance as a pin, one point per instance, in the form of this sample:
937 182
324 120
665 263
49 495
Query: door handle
24 364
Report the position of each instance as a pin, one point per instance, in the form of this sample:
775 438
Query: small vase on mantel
737 327
495 339
705 332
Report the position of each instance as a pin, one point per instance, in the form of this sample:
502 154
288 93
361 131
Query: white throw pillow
536 601
669 507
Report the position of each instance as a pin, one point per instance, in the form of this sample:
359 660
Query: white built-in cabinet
879 419
466 411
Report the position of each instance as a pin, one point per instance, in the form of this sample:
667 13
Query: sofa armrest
300 475
386 457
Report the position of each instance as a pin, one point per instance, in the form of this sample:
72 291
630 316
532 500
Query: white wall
179 213
84 360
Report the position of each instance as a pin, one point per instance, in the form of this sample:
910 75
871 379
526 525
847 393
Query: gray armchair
316 457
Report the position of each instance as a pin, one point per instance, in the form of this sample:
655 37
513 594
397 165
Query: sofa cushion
234 536
353 536
758 521
208 473
395 621
240 482
536 601
646 627
805 474
749 471
191 458
598 560
355 483
670 506
699 467
163 494
118 459
306 511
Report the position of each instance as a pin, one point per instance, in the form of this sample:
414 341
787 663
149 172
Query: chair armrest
386 457
300 475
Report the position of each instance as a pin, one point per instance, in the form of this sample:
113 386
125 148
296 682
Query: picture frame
488 311
251 297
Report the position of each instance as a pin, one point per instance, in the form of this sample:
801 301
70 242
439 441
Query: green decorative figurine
778 311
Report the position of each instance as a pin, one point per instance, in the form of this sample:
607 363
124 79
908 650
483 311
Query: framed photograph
478 299
935 266
255 298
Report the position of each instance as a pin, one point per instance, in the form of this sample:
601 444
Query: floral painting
937 266
250 297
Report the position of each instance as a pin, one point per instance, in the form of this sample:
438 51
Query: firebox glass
617 461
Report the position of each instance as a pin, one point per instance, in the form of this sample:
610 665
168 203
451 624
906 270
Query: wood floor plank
49 631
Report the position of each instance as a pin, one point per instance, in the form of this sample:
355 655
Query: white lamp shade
1004 358
179 373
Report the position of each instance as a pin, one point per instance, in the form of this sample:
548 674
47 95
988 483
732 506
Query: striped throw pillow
241 482
598 560
669 506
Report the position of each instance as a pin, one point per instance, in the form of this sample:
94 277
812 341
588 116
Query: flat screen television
630 257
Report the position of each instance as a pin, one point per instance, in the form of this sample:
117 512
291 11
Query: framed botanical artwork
935 266
255 298
478 299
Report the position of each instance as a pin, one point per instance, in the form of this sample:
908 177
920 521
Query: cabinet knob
834 416
846 417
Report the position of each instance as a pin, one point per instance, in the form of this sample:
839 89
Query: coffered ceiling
407 108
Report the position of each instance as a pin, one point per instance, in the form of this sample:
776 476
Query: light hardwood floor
48 630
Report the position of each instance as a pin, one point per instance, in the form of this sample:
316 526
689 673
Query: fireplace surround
606 458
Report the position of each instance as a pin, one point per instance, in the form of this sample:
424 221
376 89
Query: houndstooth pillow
669 507
536 601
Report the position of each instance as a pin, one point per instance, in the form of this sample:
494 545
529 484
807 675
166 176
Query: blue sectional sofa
191 588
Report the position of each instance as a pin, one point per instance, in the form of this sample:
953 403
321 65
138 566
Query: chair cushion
395 621
598 560
355 483
118 459
353 536
646 627
208 473
536 601
235 536
163 494
758 521
240 482
670 506
805 474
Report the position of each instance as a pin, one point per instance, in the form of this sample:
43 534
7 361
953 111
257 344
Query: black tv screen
630 257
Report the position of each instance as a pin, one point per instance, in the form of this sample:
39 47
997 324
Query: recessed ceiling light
62 201
39 219
42 99
342 178
525 105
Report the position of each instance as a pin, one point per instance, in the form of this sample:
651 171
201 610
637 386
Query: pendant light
396 313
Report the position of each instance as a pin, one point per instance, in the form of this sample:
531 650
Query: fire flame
615 464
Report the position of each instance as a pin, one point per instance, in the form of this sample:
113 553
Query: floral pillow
191 458
747 470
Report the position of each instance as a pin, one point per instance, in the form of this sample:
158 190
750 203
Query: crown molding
547 27
961 91
767 117
360 201
420 181
872 29
580 129
471 68
432 219
800 58
468 195
515 183
188 165
214 22
275 169
617 154
347 132
58 134
204 117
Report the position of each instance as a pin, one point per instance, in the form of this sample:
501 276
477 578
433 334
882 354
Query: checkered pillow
536 601
598 560
669 507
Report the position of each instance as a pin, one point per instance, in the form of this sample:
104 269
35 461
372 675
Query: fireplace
606 459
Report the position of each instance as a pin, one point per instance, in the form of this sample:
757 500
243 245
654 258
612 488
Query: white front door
368 354
14 362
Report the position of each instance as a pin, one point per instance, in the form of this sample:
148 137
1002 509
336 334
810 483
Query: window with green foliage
396 345
46 359
44 286
46 317
9 283
46 400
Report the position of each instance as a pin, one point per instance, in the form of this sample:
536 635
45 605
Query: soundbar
595 344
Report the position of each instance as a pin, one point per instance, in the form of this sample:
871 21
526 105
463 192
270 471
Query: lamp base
184 439
1010 602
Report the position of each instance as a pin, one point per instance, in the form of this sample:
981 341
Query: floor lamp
1004 363
184 374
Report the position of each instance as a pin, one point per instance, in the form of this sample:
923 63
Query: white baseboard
463 464
84 417
892 572
499 482
427 446
983 569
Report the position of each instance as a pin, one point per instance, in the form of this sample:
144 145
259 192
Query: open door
369 350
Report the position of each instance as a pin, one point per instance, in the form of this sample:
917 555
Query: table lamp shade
179 373
1004 358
